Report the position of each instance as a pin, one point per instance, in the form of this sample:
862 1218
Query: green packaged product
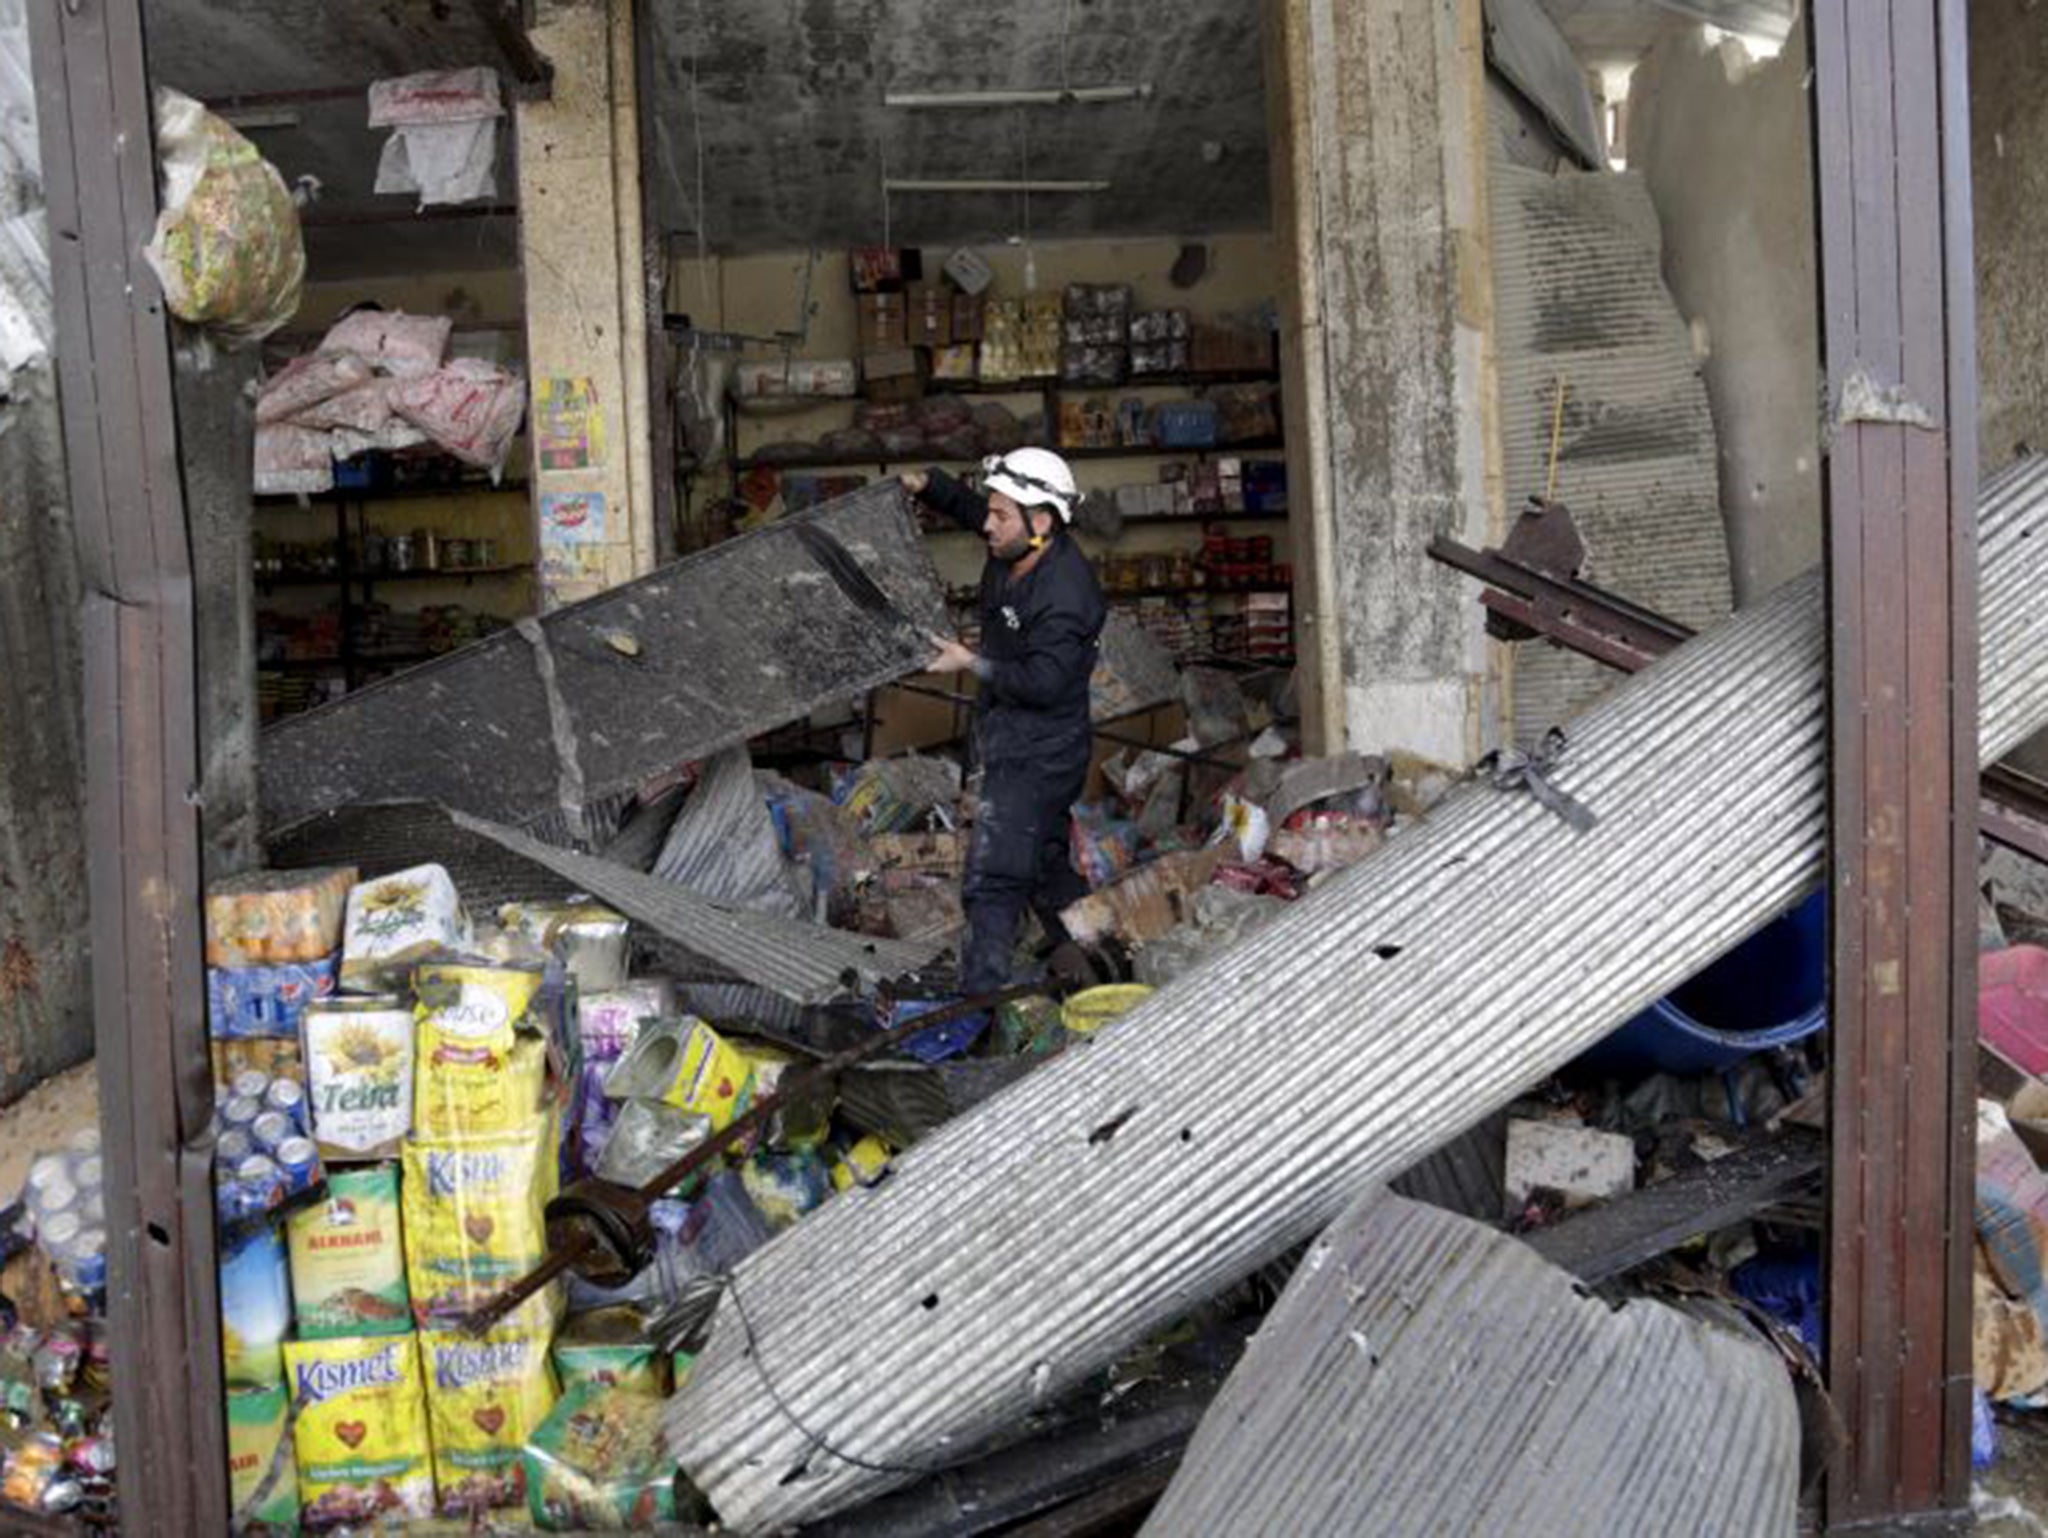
608 1345
348 1261
599 1461
256 1435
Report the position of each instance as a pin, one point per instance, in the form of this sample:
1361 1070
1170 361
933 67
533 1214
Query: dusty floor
44 1118
2012 1497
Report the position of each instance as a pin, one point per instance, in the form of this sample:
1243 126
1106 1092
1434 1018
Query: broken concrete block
1579 1163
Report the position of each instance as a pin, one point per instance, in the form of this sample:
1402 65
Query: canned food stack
66 1199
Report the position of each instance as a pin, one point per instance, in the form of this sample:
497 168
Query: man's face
1008 528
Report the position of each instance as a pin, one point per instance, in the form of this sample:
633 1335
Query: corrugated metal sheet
378 840
1533 56
588 703
1425 1374
804 962
1468 1175
1581 298
722 843
1234 1113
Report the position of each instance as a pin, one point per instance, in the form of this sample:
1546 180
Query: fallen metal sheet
1579 284
1133 672
805 962
1425 1374
1601 1242
595 699
722 843
1468 1175
378 840
1533 56
1232 1114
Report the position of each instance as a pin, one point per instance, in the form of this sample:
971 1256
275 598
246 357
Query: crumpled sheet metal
1425 1374
593 700
801 961
722 843
1234 1113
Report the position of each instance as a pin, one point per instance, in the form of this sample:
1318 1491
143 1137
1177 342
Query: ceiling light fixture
983 184
1086 95
256 119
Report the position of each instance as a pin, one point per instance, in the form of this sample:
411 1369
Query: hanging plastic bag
227 246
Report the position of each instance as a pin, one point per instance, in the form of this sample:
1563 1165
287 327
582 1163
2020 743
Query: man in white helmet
1041 616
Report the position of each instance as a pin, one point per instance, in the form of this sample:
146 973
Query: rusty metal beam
1892 150
142 764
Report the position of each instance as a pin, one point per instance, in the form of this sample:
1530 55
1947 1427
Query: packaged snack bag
600 1463
361 1433
256 1434
473 1215
608 1345
485 1397
476 1072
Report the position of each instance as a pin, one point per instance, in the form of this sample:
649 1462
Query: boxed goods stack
1039 334
1095 333
1002 341
1159 342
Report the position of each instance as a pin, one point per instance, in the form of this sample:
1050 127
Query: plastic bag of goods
292 461
608 1346
364 410
485 1397
599 1463
469 407
590 938
473 1210
397 920
361 1432
404 346
227 246
308 380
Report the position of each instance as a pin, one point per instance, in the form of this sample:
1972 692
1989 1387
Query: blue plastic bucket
1769 991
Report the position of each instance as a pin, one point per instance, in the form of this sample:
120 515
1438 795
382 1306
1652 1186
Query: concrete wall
2009 162
1724 146
45 973
586 289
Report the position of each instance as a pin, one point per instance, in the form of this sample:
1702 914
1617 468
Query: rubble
1133 1133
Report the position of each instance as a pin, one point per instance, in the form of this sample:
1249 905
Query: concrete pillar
1378 119
216 444
586 289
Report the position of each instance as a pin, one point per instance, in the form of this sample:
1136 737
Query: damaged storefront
1021 769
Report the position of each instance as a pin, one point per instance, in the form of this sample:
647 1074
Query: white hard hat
1033 478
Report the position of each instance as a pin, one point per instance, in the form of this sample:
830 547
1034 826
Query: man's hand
953 657
914 482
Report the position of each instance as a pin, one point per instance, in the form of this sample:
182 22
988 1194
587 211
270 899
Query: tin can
271 1129
91 1172
288 1096
398 552
257 1169
239 1199
241 1110
298 1159
250 1083
86 1140
455 554
47 1172
52 1200
94 1209
89 1264
59 1233
233 1147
